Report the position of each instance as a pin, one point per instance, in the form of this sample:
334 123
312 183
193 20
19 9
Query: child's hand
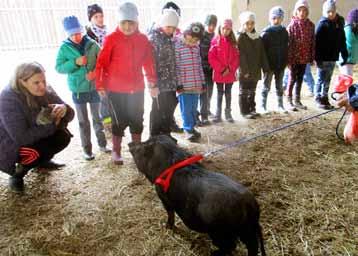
225 72
102 93
343 102
154 92
81 61
91 75
247 75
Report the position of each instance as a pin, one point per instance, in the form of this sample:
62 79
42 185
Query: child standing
224 59
275 40
252 60
77 58
163 106
328 48
205 98
351 32
190 76
119 74
97 31
300 52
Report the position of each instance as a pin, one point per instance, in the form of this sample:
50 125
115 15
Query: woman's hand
343 102
58 112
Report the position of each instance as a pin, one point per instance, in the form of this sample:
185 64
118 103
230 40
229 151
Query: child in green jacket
77 58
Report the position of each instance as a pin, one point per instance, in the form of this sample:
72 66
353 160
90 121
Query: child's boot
116 150
264 102
298 103
219 102
291 106
228 116
280 106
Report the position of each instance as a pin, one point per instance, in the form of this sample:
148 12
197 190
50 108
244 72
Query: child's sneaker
192 136
105 149
205 122
88 156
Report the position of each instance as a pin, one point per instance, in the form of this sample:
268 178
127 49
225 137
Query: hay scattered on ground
304 179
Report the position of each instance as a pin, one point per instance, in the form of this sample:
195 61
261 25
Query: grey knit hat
328 6
128 11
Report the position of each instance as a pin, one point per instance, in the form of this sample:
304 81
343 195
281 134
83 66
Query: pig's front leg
171 219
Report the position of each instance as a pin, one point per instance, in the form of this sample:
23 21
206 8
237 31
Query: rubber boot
244 106
291 106
16 181
116 150
298 103
326 103
252 104
264 102
219 102
228 116
280 106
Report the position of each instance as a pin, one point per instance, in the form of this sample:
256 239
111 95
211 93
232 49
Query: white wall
261 9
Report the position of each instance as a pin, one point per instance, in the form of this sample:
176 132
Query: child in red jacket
300 51
119 74
224 59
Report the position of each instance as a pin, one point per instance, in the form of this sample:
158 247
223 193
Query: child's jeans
80 100
324 73
278 82
205 97
188 108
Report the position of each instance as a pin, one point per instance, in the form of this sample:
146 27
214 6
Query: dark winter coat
252 58
301 45
275 40
205 43
330 40
164 55
18 124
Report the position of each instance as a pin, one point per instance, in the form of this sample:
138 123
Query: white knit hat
246 16
299 4
169 18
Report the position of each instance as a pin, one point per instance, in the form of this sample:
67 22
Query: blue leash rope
262 134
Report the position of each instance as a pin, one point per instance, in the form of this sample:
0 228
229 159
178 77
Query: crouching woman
33 121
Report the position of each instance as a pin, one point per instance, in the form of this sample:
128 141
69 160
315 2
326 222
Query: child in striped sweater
190 76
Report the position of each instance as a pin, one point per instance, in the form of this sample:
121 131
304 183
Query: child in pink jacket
224 59
301 51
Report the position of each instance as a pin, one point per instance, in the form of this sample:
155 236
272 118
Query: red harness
165 177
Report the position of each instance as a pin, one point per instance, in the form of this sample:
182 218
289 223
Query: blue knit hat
72 25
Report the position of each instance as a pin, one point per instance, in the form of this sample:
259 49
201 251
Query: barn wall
262 7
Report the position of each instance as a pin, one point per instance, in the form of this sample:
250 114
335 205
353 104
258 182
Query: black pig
207 202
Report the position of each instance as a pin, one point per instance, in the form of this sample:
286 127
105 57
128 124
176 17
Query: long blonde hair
24 72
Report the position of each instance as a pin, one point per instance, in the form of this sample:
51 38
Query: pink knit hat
300 3
227 23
